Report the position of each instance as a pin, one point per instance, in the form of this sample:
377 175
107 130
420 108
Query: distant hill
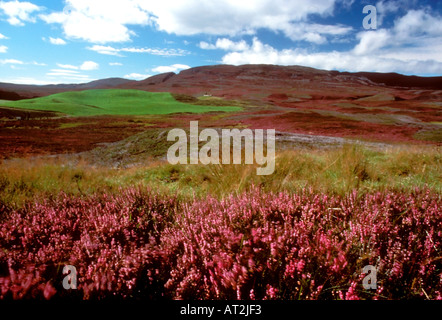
252 82
234 81
400 80
9 95
33 91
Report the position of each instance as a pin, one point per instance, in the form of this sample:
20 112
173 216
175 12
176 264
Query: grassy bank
334 171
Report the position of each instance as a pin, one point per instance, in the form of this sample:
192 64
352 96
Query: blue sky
73 41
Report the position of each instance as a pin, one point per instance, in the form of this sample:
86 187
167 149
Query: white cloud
385 7
115 64
3 49
224 44
105 50
207 46
19 12
172 68
157 52
415 36
371 41
19 62
412 46
64 75
99 21
136 76
86 66
226 17
260 53
27 80
67 74
89 65
65 71
106 21
3 37
11 61
108 50
313 32
57 41
41 64
418 23
67 66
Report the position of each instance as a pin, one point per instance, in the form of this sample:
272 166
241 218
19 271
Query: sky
77 41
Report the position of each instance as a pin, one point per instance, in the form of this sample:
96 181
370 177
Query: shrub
256 245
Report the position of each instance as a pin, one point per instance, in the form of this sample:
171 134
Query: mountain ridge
228 77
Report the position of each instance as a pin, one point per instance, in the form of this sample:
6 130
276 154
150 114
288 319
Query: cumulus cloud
371 41
85 66
227 17
136 76
89 65
417 31
99 21
105 21
224 44
115 64
172 68
313 32
412 45
384 8
418 23
19 12
57 41
260 53
3 37
3 49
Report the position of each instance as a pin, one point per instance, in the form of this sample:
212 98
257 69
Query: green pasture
113 102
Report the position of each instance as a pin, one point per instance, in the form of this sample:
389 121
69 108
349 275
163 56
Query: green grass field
113 102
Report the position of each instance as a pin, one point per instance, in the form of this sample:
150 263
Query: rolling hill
244 81
112 102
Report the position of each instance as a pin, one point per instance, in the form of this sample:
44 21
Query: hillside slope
112 102
244 81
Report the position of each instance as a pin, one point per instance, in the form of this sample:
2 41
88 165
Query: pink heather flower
212 249
271 292
252 294
49 291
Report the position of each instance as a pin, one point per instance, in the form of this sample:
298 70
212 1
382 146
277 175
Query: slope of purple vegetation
139 245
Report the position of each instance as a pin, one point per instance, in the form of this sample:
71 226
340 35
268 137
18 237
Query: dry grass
334 171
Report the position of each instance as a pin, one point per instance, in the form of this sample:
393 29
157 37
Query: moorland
84 181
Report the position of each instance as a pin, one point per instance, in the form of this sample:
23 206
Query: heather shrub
138 244
110 240
307 246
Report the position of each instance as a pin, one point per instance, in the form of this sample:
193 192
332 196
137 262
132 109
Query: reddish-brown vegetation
139 245
292 99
